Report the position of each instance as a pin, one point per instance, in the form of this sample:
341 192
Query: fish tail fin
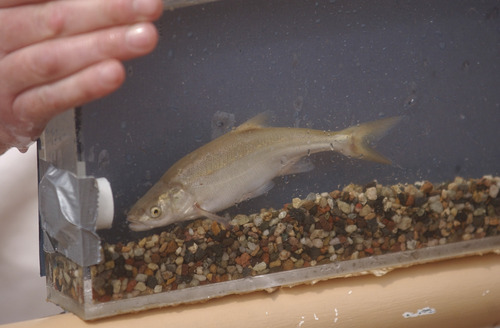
362 135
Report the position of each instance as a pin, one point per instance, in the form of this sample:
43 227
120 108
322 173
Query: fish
241 165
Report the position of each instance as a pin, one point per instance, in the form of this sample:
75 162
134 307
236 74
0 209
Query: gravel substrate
348 224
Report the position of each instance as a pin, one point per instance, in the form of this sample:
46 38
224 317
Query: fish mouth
139 226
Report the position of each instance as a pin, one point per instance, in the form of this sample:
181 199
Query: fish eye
155 211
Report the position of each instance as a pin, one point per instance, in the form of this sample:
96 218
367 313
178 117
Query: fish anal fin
257 122
301 166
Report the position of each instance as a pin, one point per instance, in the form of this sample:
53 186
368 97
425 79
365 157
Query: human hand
55 55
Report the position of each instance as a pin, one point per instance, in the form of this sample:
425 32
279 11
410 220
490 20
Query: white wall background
22 290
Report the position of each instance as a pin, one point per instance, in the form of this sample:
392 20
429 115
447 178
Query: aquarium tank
270 143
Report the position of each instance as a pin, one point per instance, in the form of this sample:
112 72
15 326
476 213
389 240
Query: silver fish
241 165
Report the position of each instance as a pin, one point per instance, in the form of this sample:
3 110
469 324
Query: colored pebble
322 228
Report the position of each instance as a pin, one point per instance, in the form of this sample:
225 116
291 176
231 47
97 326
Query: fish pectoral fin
261 190
212 216
302 165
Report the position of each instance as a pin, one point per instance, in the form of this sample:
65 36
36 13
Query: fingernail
145 7
138 37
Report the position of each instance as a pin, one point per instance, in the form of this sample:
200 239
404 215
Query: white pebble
318 243
365 211
387 205
434 199
351 228
323 202
240 219
371 193
274 222
405 223
199 277
330 202
141 277
251 246
140 286
153 266
306 241
362 198
494 191
260 266
334 241
258 221
282 215
311 197
436 207
296 202
117 284
344 207
139 252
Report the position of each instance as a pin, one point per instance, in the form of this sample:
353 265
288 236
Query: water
325 65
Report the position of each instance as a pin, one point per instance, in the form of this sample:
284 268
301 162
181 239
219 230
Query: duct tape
70 214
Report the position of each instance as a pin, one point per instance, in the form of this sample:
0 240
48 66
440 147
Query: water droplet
410 101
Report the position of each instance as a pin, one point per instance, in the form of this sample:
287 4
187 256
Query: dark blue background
319 64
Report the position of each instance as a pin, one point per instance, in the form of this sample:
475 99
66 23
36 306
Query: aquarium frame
376 265
59 146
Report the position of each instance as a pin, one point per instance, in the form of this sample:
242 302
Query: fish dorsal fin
257 122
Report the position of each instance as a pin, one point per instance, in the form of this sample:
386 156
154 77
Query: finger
55 59
40 104
62 18
10 3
